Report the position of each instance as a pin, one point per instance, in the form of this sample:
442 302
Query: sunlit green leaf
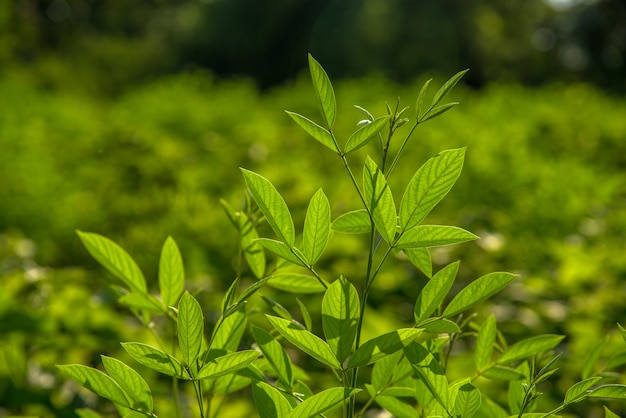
429 185
272 205
190 328
424 236
439 326
438 110
269 401
480 289
277 308
295 283
322 401
610 414
228 363
340 316
316 227
591 359
467 401
354 222
97 382
608 392
434 292
130 382
228 335
306 316
365 134
171 273
419 103
113 257
379 200
305 341
322 135
396 407
485 343
578 391
529 347
428 369
251 290
447 86
156 359
275 355
377 348
324 91
498 372
280 249
420 258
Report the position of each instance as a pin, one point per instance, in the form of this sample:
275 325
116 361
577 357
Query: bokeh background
131 119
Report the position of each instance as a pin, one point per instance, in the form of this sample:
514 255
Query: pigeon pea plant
404 371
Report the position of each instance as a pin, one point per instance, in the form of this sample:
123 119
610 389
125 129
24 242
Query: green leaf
306 316
322 401
424 236
608 392
354 222
277 308
480 289
228 335
227 364
113 257
485 343
156 359
429 185
324 91
269 401
610 414
430 372
316 227
143 301
382 346
275 355
383 370
529 347
272 205
322 135
592 358
340 317
190 328
622 331
130 382
379 200
420 99
229 296
467 401
88 413
439 326
97 382
252 250
365 134
280 249
396 407
251 290
305 341
498 372
295 283
434 292
578 391
448 85
436 111
420 258
171 273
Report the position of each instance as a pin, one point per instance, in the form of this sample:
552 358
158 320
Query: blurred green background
131 119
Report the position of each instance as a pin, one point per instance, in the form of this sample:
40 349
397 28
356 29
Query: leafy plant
407 371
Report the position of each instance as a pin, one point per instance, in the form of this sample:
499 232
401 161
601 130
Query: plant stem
397 156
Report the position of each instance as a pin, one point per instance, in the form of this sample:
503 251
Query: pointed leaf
228 335
280 249
480 289
190 328
113 257
379 200
498 372
381 346
227 364
578 391
278 308
436 111
171 273
622 331
383 370
608 392
156 359
448 85
592 358
467 401
269 401
322 135
272 205
305 341
609 414
324 91
322 401
420 258
430 372
295 283
275 355
419 103
429 185
365 134
529 347
485 343
251 290
439 326
434 292
252 250
424 236
306 316
316 227
355 222
97 382
340 317
130 382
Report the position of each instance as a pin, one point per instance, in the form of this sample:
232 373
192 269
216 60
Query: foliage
411 371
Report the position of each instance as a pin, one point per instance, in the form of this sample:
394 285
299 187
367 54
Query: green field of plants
543 186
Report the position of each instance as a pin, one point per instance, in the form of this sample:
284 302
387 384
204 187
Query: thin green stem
397 156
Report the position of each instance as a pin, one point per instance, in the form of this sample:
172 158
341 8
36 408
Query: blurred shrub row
543 186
